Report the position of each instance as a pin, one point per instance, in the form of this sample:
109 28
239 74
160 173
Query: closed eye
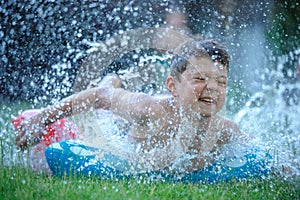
222 82
200 78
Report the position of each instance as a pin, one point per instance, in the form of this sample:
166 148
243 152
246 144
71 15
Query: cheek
222 93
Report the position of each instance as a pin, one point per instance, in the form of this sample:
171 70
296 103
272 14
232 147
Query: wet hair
198 48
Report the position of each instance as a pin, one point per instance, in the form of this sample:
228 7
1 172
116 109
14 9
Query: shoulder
226 127
230 131
225 123
152 119
153 105
157 108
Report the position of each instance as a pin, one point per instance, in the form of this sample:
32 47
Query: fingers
20 136
112 80
27 140
21 143
116 82
26 137
21 139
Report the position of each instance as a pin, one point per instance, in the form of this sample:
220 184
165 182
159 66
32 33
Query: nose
211 84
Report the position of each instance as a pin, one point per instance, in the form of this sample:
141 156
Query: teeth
208 100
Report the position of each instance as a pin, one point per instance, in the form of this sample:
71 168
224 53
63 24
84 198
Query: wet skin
200 94
202 86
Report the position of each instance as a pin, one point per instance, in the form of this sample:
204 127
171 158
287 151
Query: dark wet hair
198 48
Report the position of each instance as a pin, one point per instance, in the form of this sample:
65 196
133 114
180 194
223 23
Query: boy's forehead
204 63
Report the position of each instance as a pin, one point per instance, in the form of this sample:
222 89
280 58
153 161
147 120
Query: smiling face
201 87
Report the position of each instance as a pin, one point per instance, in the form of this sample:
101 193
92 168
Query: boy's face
202 86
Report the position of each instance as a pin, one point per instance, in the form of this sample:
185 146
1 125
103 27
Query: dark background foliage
37 35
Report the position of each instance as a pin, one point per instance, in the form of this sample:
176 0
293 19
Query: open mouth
207 100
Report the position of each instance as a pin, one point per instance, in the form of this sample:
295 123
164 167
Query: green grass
19 182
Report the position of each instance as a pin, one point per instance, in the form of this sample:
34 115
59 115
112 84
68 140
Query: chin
202 114
207 113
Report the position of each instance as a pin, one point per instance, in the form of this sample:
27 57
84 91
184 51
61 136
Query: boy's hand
29 133
111 80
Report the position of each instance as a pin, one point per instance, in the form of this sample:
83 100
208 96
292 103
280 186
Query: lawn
19 182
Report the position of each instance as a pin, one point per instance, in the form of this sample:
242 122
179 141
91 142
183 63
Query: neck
187 116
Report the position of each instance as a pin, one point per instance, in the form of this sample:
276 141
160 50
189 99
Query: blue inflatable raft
69 157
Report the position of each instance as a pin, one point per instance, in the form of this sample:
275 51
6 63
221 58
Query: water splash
275 129
273 117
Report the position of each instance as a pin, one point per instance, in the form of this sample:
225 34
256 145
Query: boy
163 128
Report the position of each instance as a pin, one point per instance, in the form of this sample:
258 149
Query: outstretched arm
32 129
108 95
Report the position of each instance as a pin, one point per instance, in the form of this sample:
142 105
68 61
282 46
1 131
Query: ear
170 84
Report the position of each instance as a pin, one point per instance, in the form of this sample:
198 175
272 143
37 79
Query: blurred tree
38 35
283 35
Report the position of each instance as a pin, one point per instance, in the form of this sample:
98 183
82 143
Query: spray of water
272 115
277 129
148 70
